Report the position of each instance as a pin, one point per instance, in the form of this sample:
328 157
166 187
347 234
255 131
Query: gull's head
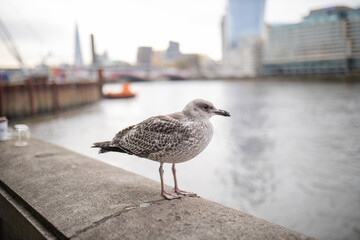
200 108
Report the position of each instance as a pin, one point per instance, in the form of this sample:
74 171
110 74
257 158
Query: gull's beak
222 112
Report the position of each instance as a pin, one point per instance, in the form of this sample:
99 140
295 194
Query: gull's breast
191 139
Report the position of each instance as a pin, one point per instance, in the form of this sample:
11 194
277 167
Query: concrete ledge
49 192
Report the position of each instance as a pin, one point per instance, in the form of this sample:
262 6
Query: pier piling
100 81
2 100
30 89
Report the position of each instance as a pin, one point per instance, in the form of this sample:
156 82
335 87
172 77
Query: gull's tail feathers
105 147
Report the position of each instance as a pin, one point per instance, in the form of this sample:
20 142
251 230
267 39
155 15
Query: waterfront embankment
48 192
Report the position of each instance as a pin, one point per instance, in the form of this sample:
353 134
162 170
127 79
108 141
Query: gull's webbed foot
169 196
185 193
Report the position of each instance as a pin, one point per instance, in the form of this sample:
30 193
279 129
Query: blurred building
173 58
169 57
173 51
242 38
144 56
326 41
102 59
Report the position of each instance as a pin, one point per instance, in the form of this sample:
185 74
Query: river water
290 153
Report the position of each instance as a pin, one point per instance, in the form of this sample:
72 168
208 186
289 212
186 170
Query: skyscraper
78 55
245 18
242 35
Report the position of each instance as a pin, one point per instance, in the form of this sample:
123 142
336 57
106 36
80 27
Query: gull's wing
160 133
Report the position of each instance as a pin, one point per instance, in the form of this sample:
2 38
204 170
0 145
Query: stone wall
48 192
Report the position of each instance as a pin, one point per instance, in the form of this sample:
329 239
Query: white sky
40 27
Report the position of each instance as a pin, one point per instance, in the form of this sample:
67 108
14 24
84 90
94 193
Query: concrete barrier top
50 192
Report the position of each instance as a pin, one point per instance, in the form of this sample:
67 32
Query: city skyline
41 27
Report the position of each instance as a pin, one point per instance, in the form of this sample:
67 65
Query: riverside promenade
48 192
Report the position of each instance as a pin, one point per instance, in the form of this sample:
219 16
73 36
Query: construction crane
10 44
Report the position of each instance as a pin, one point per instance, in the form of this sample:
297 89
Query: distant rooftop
329 14
330 10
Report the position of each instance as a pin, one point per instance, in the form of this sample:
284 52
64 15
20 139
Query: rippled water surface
290 153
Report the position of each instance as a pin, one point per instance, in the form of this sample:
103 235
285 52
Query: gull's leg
166 195
177 190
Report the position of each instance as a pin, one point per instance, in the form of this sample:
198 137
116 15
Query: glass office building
242 34
353 18
326 41
244 18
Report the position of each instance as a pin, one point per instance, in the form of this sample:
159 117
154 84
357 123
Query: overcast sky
40 27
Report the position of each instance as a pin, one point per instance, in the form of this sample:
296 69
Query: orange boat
126 93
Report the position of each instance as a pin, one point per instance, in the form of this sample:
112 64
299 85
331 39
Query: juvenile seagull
172 138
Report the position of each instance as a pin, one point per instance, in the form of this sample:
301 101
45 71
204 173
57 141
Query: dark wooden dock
31 99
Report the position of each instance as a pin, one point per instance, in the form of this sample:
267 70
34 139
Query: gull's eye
206 107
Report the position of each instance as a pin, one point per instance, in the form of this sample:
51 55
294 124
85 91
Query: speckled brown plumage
165 138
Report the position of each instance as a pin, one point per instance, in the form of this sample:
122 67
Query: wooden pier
31 99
